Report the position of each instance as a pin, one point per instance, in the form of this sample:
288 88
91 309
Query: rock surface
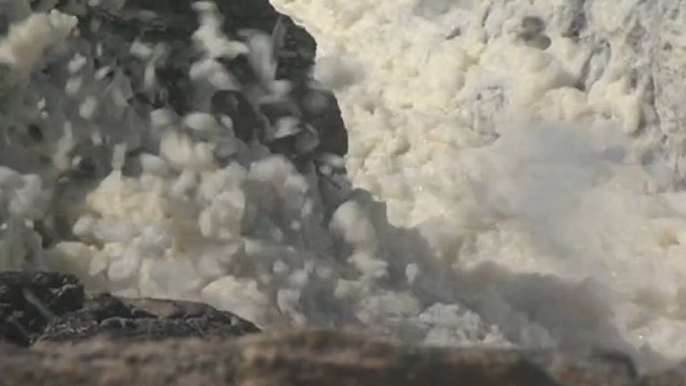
321 358
29 301
144 319
172 23
54 307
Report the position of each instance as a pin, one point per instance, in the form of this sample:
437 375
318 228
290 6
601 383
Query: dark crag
172 24
54 307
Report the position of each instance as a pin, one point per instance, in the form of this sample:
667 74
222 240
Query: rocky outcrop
315 358
144 319
54 307
172 24
29 301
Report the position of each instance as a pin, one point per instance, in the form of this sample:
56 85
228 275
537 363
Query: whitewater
513 178
532 146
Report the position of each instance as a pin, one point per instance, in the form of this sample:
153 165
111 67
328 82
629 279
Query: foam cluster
538 145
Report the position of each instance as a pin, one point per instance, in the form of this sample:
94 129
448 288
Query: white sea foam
502 136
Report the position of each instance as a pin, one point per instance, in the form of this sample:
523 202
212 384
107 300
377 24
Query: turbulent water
536 145
513 173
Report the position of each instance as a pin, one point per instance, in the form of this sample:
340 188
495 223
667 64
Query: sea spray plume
423 140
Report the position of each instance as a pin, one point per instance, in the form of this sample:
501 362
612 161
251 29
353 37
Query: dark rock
296 52
309 358
245 119
329 125
144 319
53 307
29 300
173 23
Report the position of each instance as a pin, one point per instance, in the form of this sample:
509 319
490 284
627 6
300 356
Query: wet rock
29 300
144 319
53 307
170 24
308 358
245 119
